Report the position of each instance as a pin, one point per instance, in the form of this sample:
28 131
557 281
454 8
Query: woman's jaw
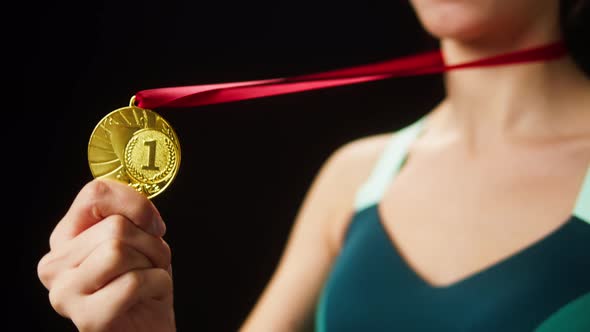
515 101
489 26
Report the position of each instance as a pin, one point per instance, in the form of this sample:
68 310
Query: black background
245 166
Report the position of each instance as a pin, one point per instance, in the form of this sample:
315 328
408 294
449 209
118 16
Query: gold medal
135 146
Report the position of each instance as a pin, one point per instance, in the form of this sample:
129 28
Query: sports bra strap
582 209
387 166
395 154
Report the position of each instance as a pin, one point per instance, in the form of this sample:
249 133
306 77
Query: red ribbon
421 64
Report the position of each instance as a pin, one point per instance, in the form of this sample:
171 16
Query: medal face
135 146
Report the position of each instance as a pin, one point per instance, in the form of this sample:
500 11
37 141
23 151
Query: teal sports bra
543 288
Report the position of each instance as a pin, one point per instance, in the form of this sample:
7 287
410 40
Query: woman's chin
462 20
456 31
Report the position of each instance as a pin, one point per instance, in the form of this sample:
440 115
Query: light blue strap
387 166
582 209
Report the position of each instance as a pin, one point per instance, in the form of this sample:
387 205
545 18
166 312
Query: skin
108 268
515 140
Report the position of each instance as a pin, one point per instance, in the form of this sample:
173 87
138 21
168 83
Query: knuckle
43 270
59 297
49 267
132 283
95 188
56 300
115 252
119 227
167 282
91 195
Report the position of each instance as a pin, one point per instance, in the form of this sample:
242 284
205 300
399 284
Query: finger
97 309
63 296
131 288
100 199
114 227
107 262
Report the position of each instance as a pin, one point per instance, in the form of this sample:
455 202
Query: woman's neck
540 100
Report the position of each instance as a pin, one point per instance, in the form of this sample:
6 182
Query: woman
485 227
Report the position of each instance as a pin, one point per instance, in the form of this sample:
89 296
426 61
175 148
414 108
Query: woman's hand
108 268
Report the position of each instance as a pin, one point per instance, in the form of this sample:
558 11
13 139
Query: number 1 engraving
151 166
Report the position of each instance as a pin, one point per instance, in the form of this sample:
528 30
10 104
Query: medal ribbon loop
431 62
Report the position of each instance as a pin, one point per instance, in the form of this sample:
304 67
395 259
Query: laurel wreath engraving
145 188
168 131
139 175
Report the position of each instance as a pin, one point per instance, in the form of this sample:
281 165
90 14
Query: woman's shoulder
341 176
314 240
356 159
365 148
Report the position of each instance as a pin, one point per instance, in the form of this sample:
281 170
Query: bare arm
288 302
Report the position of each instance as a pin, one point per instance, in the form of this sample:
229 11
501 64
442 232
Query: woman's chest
451 218
372 288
